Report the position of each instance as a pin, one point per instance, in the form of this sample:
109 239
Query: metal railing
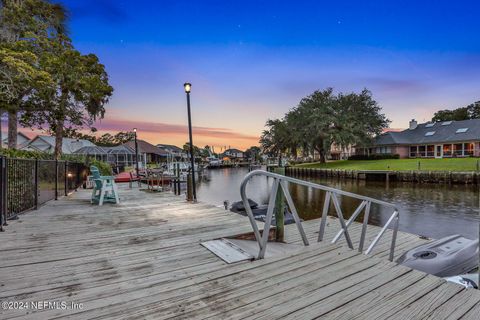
27 183
280 181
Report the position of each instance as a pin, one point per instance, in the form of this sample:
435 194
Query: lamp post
188 88
136 151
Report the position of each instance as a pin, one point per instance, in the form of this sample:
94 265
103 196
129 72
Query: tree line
45 83
321 120
472 111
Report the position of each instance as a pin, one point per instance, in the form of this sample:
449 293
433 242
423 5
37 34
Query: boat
450 256
259 212
213 162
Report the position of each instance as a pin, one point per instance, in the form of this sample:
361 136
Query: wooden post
279 216
189 187
279 212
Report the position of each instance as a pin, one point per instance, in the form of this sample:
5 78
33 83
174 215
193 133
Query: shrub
374 157
27 154
104 168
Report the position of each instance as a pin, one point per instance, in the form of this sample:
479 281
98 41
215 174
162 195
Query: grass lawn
457 164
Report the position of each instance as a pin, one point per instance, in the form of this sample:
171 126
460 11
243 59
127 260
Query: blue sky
253 60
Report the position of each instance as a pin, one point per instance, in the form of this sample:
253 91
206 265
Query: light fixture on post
188 88
136 151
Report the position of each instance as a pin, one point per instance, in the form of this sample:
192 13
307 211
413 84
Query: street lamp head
135 130
187 86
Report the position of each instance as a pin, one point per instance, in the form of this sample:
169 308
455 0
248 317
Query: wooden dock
142 259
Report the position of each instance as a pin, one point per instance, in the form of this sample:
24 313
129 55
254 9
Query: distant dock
143 259
415 176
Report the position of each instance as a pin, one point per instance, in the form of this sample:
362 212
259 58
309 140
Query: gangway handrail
281 181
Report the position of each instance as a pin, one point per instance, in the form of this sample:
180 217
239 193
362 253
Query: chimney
413 124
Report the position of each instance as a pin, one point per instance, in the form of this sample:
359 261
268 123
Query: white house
47 144
233 153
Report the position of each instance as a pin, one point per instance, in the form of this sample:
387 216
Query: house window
430 151
422 151
447 150
458 149
413 151
468 149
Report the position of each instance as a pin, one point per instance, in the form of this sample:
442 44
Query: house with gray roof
444 139
22 139
118 156
172 150
47 144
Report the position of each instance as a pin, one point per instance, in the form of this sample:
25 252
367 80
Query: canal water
430 210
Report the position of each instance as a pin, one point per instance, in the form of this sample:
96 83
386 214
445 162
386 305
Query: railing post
323 221
56 179
331 195
66 178
36 183
364 227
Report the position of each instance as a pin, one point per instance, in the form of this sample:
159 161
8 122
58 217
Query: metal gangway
331 195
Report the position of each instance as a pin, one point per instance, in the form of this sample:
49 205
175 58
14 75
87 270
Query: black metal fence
27 183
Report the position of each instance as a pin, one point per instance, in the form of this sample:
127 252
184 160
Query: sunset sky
253 60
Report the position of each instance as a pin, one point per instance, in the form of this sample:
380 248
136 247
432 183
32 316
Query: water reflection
426 209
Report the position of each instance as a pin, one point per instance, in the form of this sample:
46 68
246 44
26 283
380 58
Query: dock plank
143 259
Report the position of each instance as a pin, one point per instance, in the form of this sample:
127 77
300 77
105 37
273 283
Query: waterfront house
147 152
445 139
233 154
22 139
173 151
118 156
338 152
47 144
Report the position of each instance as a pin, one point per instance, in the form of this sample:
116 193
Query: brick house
447 139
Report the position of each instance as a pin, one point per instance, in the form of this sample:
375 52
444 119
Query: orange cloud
158 132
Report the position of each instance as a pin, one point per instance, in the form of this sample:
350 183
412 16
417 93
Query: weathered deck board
143 259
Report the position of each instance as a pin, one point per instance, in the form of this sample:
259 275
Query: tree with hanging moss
77 99
323 119
24 26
